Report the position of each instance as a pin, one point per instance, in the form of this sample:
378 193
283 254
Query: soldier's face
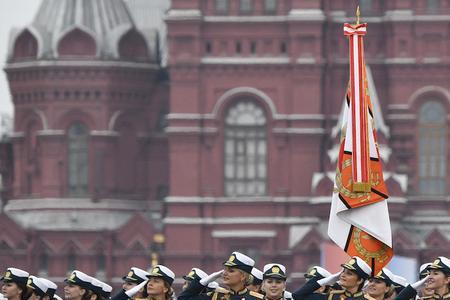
437 279
232 276
274 288
73 292
349 279
128 285
11 290
377 288
156 287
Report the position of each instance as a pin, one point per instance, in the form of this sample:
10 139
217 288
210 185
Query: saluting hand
210 278
420 284
333 278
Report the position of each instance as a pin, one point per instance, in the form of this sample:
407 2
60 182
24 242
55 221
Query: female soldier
159 286
15 284
78 286
380 286
235 276
351 280
438 280
274 281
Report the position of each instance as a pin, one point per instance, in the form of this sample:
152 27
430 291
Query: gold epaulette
256 294
336 292
221 290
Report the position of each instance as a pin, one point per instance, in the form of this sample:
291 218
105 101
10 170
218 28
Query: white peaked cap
140 273
257 274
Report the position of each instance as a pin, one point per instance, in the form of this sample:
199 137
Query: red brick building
231 145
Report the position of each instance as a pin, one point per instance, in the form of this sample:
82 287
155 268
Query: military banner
359 218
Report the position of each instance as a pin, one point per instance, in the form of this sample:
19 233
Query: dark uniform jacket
194 292
120 296
410 293
306 292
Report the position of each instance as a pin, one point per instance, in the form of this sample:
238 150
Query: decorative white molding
280 117
398 106
50 132
306 15
306 61
431 60
113 119
174 129
245 19
43 118
242 220
244 90
183 14
17 134
400 60
246 60
195 200
105 133
81 63
243 234
298 130
429 89
401 117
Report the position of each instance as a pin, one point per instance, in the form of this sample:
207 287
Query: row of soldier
240 280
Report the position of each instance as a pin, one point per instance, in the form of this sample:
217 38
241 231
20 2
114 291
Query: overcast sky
13 13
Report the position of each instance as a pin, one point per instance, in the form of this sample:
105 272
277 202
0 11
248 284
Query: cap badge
313 271
275 270
29 281
352 262
232 258
191 273
436 262
155 271
130 274
8 275
72 276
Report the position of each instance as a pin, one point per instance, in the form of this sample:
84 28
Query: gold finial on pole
358 13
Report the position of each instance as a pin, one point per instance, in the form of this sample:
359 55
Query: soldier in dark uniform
351 279
316 273
15 284
101 289
41 289
159 286
135 277
78 286
399 283
380 286
438 280
257 276
274 281
236 276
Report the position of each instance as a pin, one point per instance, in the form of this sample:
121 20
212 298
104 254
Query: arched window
245 150
432 149
78 160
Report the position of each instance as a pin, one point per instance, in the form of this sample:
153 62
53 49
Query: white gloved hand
333 278
420 284
210 278
134 290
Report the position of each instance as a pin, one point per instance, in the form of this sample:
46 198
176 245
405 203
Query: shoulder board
221 290
337 292
257 295
446 296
